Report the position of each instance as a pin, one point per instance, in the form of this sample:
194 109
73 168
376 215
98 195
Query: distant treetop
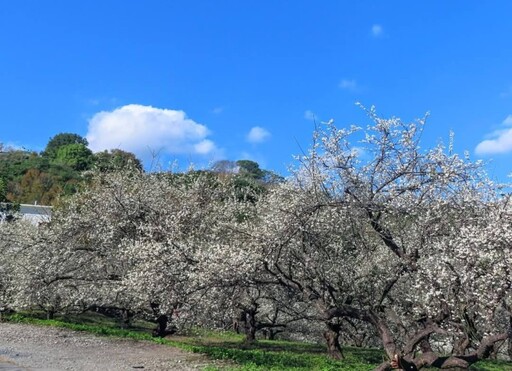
61 140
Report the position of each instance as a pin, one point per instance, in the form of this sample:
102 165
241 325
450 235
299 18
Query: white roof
35 213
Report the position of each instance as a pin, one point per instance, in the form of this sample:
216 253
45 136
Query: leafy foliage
3 190
116 159
77 156
59 171
61 140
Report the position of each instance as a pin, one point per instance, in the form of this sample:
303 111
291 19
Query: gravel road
26 347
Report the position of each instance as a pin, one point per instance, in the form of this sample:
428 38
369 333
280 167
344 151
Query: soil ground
27 347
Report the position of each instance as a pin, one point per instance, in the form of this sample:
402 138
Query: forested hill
31 177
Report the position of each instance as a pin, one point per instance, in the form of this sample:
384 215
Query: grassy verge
263 355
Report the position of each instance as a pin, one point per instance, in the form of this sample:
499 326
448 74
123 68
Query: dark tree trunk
272 334
50 314
161 328
239 321
161 320
250 326
127 318
332 335
509 340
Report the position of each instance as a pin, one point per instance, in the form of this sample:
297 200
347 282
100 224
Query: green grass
492 366
263 355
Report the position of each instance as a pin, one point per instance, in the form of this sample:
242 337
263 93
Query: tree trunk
127 318
461 345
50 314
509 348
161 319
239 321
161 328
332 335
509 340
272 334
250 326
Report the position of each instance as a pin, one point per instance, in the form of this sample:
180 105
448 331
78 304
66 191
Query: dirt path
27 347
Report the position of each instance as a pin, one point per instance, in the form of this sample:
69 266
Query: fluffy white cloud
377 30
205 147
257 135
500 141
144 130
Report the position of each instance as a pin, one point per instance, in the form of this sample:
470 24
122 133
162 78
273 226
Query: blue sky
199 81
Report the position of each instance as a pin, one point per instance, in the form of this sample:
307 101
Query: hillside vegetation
31 177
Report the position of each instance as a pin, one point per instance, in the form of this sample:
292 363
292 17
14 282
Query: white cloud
144 130
218 110
500 140
310 115
257 135
350 85
377 30
204 147
508 121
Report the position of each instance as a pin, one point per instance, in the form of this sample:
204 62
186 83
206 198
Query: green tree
60 140
76 155
116 159
29 176
248 178
250 169
36 186
3 190
7 209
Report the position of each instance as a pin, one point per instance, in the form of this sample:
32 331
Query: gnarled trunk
332 335
250 325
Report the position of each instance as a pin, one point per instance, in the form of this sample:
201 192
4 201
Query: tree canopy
58 171
77 156
60 140
116 159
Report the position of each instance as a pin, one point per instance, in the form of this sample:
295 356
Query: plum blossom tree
185 211
402 239
9 245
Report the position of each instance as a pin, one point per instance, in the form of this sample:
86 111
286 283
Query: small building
35 214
